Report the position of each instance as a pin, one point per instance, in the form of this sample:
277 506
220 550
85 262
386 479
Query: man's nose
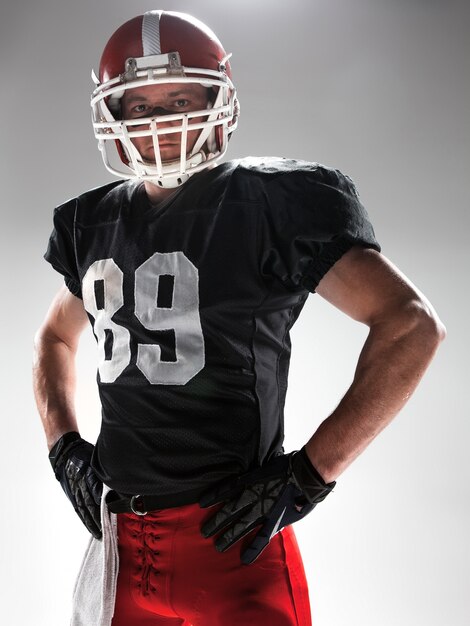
161 112
156 111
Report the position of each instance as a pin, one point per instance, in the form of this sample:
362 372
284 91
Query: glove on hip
70 458
279 493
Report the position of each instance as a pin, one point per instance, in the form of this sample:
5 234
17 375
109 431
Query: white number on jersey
102 289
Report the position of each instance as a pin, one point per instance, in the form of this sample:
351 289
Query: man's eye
140 108
181 103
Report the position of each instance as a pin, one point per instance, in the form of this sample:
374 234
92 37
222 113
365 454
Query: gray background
377 88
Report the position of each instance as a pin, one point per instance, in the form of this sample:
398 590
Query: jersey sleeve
60 251
314 216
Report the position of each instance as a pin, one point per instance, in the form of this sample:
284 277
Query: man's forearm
392 362
54 385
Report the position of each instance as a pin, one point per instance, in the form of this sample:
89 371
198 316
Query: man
192 273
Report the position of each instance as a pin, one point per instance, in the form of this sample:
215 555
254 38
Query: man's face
165 99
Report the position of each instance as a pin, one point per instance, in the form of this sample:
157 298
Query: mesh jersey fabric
204 287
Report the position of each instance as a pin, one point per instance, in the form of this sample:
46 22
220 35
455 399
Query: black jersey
191 304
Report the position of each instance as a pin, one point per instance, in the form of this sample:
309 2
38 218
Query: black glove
70 458
275 495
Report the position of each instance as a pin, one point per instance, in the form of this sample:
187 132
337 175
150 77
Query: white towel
95 589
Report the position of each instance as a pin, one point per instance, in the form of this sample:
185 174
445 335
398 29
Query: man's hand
70 458
280 493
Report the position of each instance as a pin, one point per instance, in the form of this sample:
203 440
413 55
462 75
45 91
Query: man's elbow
41 342
47 337
418 316
43 336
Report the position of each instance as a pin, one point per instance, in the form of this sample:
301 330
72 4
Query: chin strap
172 178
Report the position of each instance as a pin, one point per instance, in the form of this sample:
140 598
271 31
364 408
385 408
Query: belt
143 504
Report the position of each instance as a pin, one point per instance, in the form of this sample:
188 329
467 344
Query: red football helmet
162 47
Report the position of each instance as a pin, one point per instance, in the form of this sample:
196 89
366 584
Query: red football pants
169 575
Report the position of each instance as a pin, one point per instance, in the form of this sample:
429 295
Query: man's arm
404 335
55 346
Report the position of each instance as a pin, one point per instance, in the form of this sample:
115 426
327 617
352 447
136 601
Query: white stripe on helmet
151 33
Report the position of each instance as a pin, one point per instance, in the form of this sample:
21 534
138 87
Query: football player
192 272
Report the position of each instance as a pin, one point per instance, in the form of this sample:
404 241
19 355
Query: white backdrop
377 88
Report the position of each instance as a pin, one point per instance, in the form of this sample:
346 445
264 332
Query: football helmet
163 47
